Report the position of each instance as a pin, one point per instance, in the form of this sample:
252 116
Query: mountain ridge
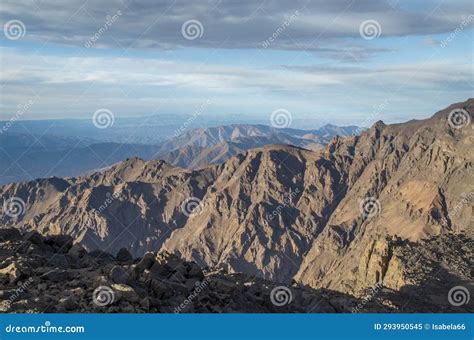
24 156
278 212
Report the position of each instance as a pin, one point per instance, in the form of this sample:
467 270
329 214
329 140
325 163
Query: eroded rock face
423 272
374 263
380 265
278 212
420 176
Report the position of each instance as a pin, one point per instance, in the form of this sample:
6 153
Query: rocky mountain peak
278 212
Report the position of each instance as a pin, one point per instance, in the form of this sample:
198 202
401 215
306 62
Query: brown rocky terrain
286 213
421 174
53 274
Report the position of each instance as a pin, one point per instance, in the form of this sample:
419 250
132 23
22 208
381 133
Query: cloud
77 85
136 71
131 56
318 27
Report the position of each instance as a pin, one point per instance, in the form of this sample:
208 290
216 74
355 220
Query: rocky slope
420 175
279 212
54 275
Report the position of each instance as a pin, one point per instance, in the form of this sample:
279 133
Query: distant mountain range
24 156
342 218
199 147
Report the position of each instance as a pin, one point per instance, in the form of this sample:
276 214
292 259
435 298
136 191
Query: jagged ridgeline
344 218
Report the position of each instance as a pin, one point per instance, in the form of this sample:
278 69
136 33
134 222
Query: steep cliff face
419 176
257 217
423 274
378 265
279 212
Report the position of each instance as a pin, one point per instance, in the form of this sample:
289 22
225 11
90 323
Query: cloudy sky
336 61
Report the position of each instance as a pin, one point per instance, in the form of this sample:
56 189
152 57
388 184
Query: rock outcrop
50 275
45 275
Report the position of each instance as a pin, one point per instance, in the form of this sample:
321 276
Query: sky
336 61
